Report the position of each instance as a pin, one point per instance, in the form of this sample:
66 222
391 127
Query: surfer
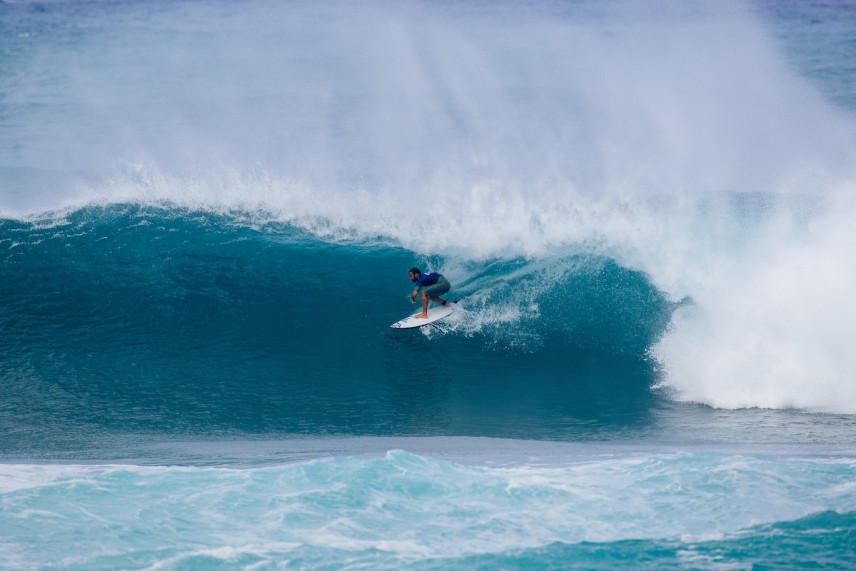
434 285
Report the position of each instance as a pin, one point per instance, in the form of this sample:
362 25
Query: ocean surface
207 214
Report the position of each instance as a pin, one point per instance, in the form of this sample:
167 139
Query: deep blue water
176 322
208 211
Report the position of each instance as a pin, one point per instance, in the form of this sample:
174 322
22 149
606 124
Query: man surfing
431 285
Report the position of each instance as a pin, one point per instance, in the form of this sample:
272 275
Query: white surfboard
434 313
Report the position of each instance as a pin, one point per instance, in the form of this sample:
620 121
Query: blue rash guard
427 279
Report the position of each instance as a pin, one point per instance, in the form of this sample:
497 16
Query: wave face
135 319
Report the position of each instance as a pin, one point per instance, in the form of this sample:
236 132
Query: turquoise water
402 510
208 211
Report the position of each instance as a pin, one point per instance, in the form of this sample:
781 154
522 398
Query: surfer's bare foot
421 315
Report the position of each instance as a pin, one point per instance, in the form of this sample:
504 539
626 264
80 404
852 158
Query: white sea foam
773 327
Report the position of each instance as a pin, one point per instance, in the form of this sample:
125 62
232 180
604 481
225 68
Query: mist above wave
498 113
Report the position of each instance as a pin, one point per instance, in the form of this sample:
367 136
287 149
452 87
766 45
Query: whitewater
208 211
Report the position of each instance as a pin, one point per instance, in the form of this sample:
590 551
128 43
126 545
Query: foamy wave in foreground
399 509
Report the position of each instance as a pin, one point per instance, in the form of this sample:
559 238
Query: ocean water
208 211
